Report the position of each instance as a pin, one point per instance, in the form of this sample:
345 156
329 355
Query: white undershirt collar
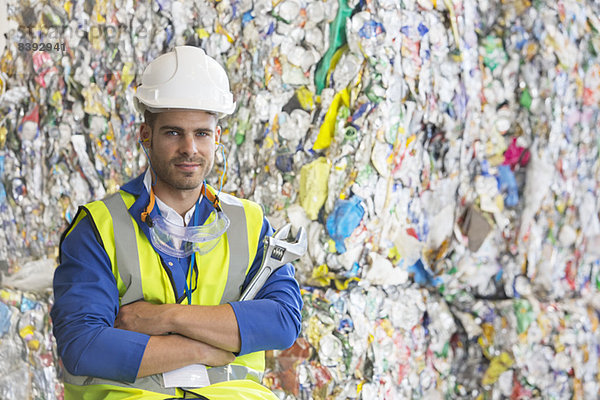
167 212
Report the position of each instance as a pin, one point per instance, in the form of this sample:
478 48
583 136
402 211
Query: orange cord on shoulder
150 206
211 197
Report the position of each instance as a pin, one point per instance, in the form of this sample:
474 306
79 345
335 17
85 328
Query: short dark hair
149 118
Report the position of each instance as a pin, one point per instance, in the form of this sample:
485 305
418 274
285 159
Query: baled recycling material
442 155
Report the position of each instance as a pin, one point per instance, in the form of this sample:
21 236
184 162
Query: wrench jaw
283 233
285 249
301 244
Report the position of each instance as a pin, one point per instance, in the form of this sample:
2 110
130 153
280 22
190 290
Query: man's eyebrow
171 128
180 129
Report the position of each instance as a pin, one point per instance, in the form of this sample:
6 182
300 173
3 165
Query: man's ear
217 134
145 134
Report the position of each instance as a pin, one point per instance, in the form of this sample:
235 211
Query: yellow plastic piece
3 133
453 24
269 143
343 284
331 246
394 255
68 7
334 60
96 38
498 365
313 186
305 98
327 130
33 344
93 95
321 275
387 327
219 29
26 332
55 101
100 11
202 33
314 331
127 75
595 322
359 387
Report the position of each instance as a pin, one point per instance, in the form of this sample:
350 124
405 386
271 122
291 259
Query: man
145 293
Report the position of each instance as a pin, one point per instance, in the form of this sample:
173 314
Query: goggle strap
150 206
211 197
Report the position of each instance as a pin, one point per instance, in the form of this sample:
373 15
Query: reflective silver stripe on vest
232 372
237 236
155 383
152 383
127 258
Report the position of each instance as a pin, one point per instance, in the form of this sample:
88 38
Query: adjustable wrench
279 250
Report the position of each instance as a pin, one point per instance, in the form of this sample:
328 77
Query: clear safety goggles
182 241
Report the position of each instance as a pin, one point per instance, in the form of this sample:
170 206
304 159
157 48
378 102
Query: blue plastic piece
342 221
247 17
371 29
285 162
422 29
422 276
4 319
28 304
508 184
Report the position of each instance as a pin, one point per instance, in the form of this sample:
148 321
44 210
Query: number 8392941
49 46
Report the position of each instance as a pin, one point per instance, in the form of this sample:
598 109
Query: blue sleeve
273 319
86 303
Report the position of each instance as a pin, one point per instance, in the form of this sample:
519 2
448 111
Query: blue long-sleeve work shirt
86 302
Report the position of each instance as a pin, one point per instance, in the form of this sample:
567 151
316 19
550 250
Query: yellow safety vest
142 275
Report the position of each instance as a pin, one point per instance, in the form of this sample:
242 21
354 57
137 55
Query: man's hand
212 356
166 353
144 317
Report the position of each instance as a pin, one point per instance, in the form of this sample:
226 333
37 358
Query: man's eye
202 134
172 133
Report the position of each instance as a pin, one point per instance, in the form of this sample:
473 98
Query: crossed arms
182 334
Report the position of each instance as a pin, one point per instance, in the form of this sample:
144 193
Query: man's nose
188 144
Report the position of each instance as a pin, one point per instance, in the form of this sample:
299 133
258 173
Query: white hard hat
185 78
